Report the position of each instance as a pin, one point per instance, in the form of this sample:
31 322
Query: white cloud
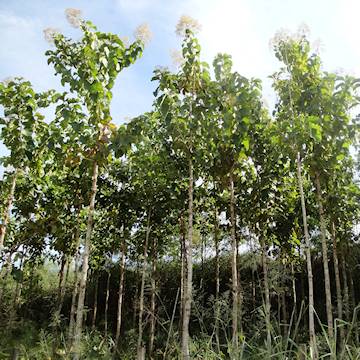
8 20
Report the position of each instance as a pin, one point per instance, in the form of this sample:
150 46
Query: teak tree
21 128
90 66
179 102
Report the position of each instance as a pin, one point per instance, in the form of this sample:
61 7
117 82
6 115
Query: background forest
209 227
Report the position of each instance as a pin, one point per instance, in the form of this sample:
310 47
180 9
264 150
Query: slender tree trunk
4 272
253 289
136 295
294 292
61 277
253 281
183 265
235 290
278 309
7 210
217 278
73 307
62 283
284 313
121 292
76 279
95 307
19 284
353 305
346 286
85 265
185 337
140 342
313 347
240 289
267 294
153 300
107 295
339 302
17 292
201 288
329 314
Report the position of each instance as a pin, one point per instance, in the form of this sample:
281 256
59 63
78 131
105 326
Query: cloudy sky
242 28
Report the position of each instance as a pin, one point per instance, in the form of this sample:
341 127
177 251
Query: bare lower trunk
121 293
136 295
240 289
329 314
234 280
140 342
62 283
183 265
217 278
346 286
107 302
19 284
4 272
85 266
313 347
293 282
95 306
76 279
153 300
6 216
253 289
253 282
185 337
339 302
267 294
353 306
284 313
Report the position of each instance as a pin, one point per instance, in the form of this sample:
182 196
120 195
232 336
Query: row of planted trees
208 172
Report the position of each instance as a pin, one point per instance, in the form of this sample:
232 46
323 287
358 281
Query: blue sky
242 28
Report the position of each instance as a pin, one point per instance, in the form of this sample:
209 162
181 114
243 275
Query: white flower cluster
284 35
50 33
187 22
176 57
73 16
143 33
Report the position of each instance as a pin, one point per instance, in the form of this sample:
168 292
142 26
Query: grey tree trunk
85 265
353 306
4 272
339 302
217 277
234 280
267 294
140 342
284 314
345 285
329 314
62 283
6 216
19 284
121 293
153 300
313 346
107 303
293 282
183 265
95 307
185 337
76 280
240 289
